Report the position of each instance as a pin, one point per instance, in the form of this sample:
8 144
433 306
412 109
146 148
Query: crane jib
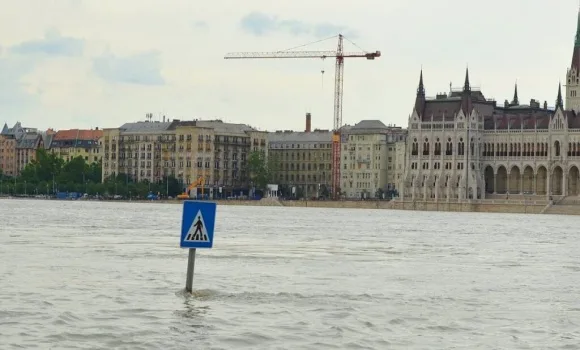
340 55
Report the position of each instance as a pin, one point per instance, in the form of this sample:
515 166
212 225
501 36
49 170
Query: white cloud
141 69
52 44
259 24
81 63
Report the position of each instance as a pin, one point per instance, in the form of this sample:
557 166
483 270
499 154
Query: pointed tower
420 99
559 101
515 101
466 102
4 129
573 76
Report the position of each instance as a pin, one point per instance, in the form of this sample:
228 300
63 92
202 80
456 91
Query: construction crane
340 55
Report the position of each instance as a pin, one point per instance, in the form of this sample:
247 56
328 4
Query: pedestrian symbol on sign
197 232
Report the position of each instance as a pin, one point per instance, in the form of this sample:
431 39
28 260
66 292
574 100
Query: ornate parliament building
461 145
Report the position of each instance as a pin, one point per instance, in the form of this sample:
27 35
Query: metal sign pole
197 228
190 270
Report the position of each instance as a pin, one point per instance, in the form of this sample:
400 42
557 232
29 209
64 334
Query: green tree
95 172
260 169
48 174
74 171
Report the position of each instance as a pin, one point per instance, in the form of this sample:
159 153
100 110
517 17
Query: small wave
279 297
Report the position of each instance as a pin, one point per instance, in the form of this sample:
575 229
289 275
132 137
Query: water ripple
339 279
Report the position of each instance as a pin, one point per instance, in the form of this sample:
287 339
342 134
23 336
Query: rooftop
300 137
217 125
220 127
77 134
369 127
29 140
145 127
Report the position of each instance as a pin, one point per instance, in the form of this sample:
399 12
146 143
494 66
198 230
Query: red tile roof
76 134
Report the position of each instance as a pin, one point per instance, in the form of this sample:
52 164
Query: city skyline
81 64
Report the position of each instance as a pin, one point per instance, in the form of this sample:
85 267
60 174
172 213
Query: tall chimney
308 122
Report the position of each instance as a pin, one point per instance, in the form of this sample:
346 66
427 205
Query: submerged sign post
197 227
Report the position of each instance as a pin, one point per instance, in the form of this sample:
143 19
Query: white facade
400 163
514 150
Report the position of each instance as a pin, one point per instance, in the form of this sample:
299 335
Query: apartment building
18 146
302 160
8 154
368 159
188 150
26 148
231 145
69 144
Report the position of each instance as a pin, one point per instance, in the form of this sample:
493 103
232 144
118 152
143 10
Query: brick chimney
308 122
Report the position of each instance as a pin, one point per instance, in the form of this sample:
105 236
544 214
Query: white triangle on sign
197 231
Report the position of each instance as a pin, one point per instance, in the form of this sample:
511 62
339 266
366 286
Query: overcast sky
87 63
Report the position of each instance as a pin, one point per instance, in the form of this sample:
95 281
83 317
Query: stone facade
18 146
302 160
464 146
368 158
187 150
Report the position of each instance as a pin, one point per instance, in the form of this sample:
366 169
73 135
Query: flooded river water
91 275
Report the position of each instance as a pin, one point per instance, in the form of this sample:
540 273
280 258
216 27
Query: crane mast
340 55
336 136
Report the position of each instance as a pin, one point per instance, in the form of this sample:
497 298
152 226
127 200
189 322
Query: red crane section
339 55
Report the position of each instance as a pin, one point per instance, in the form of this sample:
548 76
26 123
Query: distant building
465 146
18 146
302 160
187 150
368 158
400 164
69 144
232 144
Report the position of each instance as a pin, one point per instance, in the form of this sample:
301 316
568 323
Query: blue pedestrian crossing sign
197 224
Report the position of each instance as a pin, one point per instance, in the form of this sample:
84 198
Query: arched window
461 150
472 147
449 147
415 148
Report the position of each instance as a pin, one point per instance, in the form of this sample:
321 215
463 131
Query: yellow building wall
189 148
90 155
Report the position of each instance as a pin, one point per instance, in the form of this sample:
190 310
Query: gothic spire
516 101
421 88
559 101
577 41
466 86
576 52
420 99
466 101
